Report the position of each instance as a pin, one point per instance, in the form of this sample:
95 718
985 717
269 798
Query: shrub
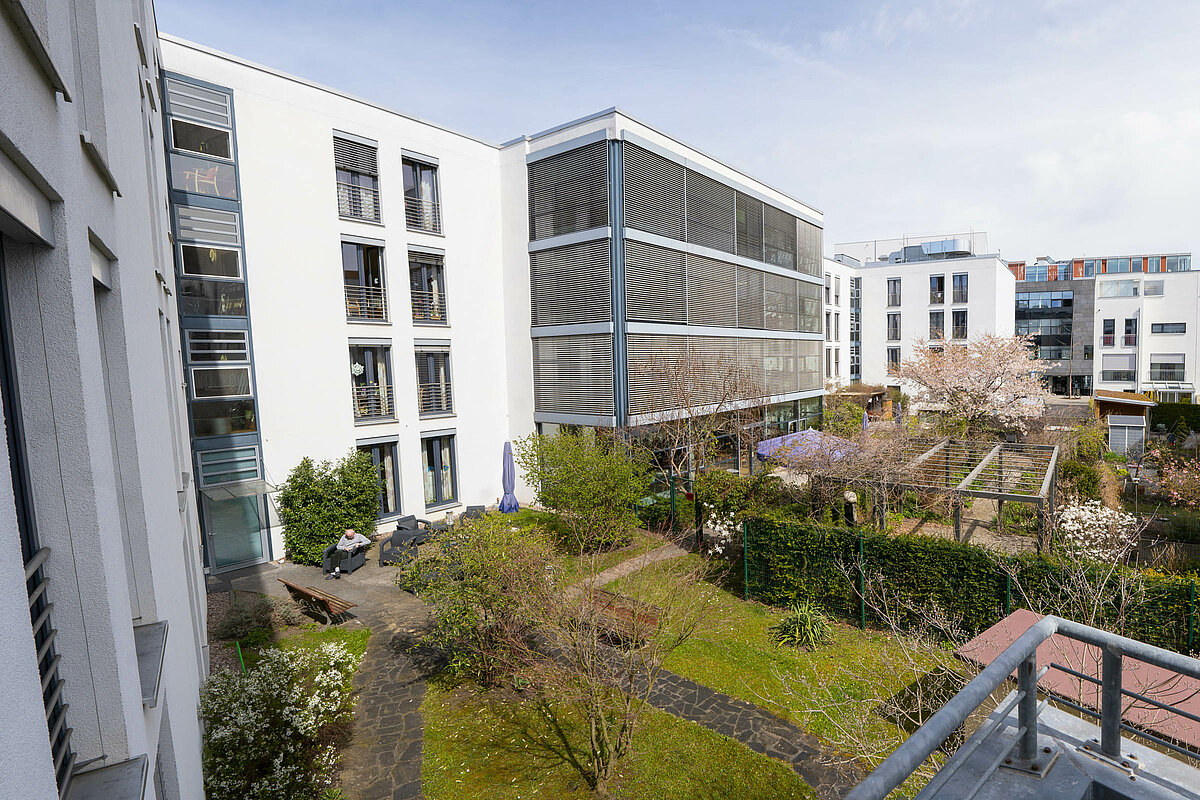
268 732
804 625
1114 458
842 419
249 612
1081 477
1090 441
319 501
1178 418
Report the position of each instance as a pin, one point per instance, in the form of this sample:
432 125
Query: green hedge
1171 414
791 560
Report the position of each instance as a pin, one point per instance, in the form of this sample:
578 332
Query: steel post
1110 702
1027 710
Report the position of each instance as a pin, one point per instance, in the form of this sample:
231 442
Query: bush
804 626
1178 418
842 419
268 733
249 612
319 501
1090 441
656 515
1114 458
1083 478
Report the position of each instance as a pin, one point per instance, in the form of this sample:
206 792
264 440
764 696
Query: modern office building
102 596
937 289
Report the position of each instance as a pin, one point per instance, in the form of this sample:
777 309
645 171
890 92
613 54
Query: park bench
318 602
623 617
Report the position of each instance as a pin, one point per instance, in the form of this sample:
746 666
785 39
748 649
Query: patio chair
402 544
472 512
349 565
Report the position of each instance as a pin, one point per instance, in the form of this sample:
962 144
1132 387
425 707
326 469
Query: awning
1170 386
232 491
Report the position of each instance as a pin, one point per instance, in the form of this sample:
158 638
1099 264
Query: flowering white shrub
264 730
1095 531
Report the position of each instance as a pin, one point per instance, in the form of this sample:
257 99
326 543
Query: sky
1061 128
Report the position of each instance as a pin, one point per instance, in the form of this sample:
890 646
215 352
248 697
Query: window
383 456
837 327
1153 264
893 291
1168 327
748 217
937 289
427 285
568 192
223 381
202 139
1108 329
1043 327
1167 367
937 324
1029 301
893 361
837 362
1173 397
223 417
1117 375
1178 263
1130 332
1118 288
828 288
210 262
371 382
893 327
779 238
362 278
1152 288
1053 352
434 395
960 324
212 298
837 290
1088 352
960 288
1090 267
422 203
1036 272
1118 367
1117 265
205 346
218 467
357 170
438 462
828 363
828 326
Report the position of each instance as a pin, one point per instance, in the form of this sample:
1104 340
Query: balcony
1131 340
423 215
1108 340
434 398
936 298
1177 374
373 401
429 307
367 303
358 202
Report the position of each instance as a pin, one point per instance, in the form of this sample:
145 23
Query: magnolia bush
1095 531
267 732
1179 479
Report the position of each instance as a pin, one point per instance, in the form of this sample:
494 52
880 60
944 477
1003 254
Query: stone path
632 565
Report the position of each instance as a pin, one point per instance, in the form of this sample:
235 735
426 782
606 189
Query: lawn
503 748
575 567
305 637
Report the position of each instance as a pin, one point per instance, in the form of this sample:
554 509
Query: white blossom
1093 530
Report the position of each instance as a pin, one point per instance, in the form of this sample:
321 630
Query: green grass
491 748
308 637
573 567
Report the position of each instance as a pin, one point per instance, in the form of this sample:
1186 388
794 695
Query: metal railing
1021 657
893 299
423 215
373 401
358 202
428 306
1108 340
936 298
1130 339
366 302
960 296
1168 374
959 332
434 398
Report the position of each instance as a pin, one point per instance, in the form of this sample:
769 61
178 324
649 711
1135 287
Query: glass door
236 535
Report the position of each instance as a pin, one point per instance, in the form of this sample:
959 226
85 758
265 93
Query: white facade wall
301 337
837 320
990 302
1179 302
95 348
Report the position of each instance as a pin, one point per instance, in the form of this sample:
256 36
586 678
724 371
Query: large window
937 289
383 456
362 277
427 284
197 138
1090 267
1168 327
212 298
1117 265
223 417
937 324
434 392
893 361
893 327
960 288
440 470
1130 332
893 291
1177 263
1167 367
1152 288
1028 301
371 382
207 261
1036 272
1108 330
959 321
422 203
1118 288
1043 327
357 170
223 381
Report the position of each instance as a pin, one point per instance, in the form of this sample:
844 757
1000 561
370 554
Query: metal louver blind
710 212
810 307
711 293
655 283
571 284
808 247
199 103
654 189
749 298
779 237
355 157
654 362
1119 361
208 225
749 227
780 303
569 192
573 374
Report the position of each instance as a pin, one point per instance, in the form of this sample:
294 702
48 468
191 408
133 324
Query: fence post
745 559
1007 594
671 485
862 586
1191 615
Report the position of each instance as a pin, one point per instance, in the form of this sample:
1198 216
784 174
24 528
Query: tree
319 501
843 419
1095 531
1178 478
590 480
989 382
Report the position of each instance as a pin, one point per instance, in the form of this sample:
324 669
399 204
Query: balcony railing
1167 374
960 296
358 202
366 302
1108 340
373 401
429 307
423 215
893 300
1131 340
435 398
1118 375
936 298
959 332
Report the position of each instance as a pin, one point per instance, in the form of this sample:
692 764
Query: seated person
348 544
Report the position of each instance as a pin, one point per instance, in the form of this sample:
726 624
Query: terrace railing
373 401
423 215
366 303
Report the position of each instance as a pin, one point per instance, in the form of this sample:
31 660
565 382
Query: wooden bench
623 617
318 602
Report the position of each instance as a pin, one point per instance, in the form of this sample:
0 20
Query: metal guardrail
358 202
428 306
435 398
366 302
1021 656
1130 339
1108 340
373 401
423 215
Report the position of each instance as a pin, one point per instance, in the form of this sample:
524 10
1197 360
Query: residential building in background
103 642
1060 316
843 292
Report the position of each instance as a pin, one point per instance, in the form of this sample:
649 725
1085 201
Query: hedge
790 560
1171 414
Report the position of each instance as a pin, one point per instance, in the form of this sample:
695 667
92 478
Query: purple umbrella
508 478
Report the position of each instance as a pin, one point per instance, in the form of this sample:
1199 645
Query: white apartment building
935 289
840 323
101 591
1146 333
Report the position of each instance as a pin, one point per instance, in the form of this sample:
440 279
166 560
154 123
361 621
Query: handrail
1022 653
358 202
366 302
422 214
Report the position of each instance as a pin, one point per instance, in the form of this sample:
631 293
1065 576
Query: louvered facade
573 375
569 192
571 285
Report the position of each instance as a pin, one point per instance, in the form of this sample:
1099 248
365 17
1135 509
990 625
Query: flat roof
1132 398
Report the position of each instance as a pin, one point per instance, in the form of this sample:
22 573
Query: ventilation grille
710 212
573 374
198 103
654 193
569 192
355 157
571 284
655 283
208 225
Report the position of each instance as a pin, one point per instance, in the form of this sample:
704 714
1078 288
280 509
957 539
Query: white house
840 322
